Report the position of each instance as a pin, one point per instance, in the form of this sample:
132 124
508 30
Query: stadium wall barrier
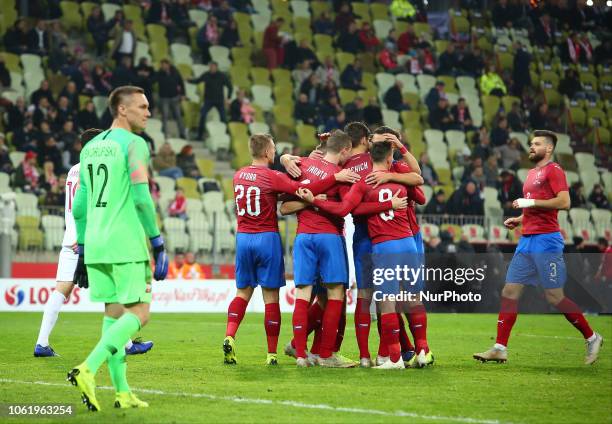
30 295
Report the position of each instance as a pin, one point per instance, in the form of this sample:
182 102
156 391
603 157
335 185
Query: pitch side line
289 403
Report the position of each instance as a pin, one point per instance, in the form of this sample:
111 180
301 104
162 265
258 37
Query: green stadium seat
71 16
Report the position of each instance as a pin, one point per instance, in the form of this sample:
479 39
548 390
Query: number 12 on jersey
253 193
101 169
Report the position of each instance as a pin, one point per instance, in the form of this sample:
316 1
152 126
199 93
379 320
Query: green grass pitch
184 380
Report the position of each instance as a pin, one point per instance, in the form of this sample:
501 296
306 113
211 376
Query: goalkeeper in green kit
114 215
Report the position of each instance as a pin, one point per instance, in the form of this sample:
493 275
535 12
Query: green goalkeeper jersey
111 163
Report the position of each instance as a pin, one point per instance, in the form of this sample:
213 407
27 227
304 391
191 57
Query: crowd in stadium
531 65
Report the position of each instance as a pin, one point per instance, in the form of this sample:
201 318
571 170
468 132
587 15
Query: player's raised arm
394 137
138 158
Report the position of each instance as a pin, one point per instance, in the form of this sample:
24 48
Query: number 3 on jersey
102 169
253 193
384 195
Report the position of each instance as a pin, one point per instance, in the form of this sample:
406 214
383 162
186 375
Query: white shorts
66 265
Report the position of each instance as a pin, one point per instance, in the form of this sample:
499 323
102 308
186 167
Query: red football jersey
311 221
542 183
389 225
255 193
415 196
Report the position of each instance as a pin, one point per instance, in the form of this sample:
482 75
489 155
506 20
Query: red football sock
390 335
235 313
363 321
315 316
417 320
574 315
383 349
331 319
403 335
341 328
506 319
300 327
272 322
315 349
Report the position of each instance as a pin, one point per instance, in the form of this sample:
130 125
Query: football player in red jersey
538 259
259 255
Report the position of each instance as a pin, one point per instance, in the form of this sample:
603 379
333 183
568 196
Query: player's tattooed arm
560 202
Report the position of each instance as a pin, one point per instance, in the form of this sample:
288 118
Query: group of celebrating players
351 171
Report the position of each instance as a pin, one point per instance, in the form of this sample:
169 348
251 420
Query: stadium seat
5 180
16 158
382 28
384 82
262 96
379 11
189 186
27 205
166 184
221 55
306 137
213 202
259 128
71 16
498 234
474 233
181 54
391 118
426 83
434 138
456 141
53 231
602 219
430 231
409 83
198 16
585 161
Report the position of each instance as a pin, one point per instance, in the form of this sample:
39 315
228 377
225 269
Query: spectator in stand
72 93
441 118
273 44
178 206
539 117
462 116
191 270
434 95
6 165
344 18
328 72
164 162
469 166
427 170
391 41
305 53
97 27
171 91
15 115
235 109
437 204
313 89
336 122
368 38
466 200
64 111
521 77
301 74
305 111
323 25
187 162
372 115
145 79
394 99
479 177
329 109
67 136
500 134
124 41
56 196
160 13
577 197
472 62
208 36
124 73
352 76
491 171
38 39
598 197
448 61
214 95
41 111
492 84
544 30
230 37
176 266
570 85
354 110
42 91
388 59
516 118
577 50
483 149
503 14
87 117
25 139
71 155
510 189
51 152
27 175
49 180
16 38
349 41
407 41
223 13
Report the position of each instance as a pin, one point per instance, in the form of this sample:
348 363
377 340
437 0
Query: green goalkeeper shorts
120 283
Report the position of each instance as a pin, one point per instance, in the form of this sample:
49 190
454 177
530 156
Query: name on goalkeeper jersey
316 172
100 149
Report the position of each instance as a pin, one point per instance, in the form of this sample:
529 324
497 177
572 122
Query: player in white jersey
65 269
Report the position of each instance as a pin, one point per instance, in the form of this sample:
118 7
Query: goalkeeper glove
161 258
80 273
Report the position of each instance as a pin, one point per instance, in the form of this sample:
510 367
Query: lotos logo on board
14 296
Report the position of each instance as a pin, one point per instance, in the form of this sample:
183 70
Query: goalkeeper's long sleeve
145 209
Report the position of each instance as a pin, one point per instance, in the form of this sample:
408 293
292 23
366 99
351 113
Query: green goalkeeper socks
113 340
117 366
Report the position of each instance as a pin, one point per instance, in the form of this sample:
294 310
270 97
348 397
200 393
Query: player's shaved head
121 95
357 131
88 135
381 151
337 141
259 144
550 136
